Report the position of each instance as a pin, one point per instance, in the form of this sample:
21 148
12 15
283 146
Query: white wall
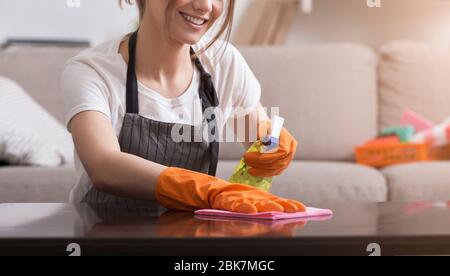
94 20
331 21
352 20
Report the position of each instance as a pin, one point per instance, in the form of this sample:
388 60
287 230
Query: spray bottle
434 137
267 144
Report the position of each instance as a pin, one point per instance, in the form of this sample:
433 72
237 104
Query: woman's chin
192 41
189 39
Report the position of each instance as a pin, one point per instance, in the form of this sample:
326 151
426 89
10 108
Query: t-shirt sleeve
246 88
83 90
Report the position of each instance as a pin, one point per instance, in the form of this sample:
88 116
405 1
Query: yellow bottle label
241 175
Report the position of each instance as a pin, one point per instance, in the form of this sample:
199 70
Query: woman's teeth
193 20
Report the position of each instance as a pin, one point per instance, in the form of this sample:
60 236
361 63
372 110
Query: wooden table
355 229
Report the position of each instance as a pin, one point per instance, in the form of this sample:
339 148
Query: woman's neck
162 63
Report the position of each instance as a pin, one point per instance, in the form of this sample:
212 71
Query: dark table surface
354 229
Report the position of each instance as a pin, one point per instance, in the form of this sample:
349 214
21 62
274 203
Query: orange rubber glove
184 190
271 164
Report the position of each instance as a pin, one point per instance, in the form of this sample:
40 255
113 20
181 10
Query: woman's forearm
111 170
127 175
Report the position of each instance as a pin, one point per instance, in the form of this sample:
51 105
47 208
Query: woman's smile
194 22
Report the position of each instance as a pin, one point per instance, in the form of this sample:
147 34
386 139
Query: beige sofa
333 97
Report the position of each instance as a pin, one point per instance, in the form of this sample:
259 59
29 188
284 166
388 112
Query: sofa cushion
31 184
38 71
34 137
324 182
419 181
327 94
414 76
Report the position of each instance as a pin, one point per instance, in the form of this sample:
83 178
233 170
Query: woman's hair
224 29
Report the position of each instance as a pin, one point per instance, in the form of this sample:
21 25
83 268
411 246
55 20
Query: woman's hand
184 190
272 164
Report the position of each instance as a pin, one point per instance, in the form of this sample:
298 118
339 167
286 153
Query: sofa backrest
413 76
38 71
327 93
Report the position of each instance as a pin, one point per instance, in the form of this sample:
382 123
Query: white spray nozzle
271 143
277 126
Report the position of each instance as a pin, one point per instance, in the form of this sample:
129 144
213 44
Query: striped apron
152 140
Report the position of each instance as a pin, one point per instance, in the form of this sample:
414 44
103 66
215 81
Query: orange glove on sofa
184 190
271 164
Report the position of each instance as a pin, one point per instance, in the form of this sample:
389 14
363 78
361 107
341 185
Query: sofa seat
428 181
324 182
32 184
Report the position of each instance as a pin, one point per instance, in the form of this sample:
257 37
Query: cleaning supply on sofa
267 144
416 139
419 122
403 132
382 141
391 148
380 156
434 137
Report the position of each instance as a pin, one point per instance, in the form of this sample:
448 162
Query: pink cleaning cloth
309 213
419 122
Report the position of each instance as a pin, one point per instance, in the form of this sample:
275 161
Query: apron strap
132 87
209 98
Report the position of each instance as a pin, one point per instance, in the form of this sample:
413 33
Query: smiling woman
225 28
127 98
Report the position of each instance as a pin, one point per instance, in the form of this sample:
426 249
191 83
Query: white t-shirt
95 80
